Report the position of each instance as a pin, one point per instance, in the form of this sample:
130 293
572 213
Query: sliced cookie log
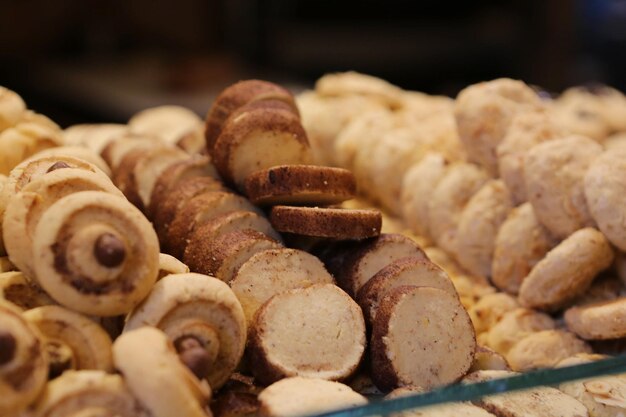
520 243
308 185
25 209
516 325
23 362
259 138
418 185
156 377
176 198
169 265
224 255
116 150
201 313
488 359
71 340
451 195
479 223
199 210
297 396
598 321
544 349
287 339
88 393
533 402
272 272
554 178
96 253
15 288
605 192
327 222
358 263
175 174
415 271
421 319
149 168
196 244
567 270
445 410
238 95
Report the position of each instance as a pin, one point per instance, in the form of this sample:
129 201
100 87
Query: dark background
94 61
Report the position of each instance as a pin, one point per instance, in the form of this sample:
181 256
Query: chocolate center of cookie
194 356
7 347
57 165
109 250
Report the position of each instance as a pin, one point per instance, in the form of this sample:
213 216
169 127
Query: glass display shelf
471 391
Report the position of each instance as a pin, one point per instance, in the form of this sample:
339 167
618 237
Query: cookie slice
272 272
598 321
414 270
308 185
421 319
327 222
314 332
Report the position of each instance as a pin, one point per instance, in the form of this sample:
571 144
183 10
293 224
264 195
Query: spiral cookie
93 136
117 149
71 341
526 130
26 139
14 287
12 107
171 123
23 364
484 113
169 265
566 271
197 311
155 375
478 226
88 393
78 152
553 174
520 243
96 253
26 208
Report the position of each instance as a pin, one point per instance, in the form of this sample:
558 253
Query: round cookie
526 130
598 321
554 173
170 123
605 192
354 83
567 270
17 289
514 326
488 311
12 107
520 243
479 224
484 112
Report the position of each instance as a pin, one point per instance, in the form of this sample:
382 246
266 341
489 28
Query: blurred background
94 61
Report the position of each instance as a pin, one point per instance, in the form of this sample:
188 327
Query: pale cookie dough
598 321
418 185
554 181
412 320
567 271
297 396
544 349
449 198
478 226
514 326
316 332
484 113
520 243
526 130
605 191
488 311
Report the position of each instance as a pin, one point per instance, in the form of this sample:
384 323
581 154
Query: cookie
354 83
199 312
554 177
520 243
169 265
300 185
326 222
78 152
490 309
581 112
526 130
488 359
598 321
415 319
478 227
15 288
170 123
285 324
96 253
444 410
95 137
12 107
115 151
516 325
566 271
452 193
484 112
273 271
